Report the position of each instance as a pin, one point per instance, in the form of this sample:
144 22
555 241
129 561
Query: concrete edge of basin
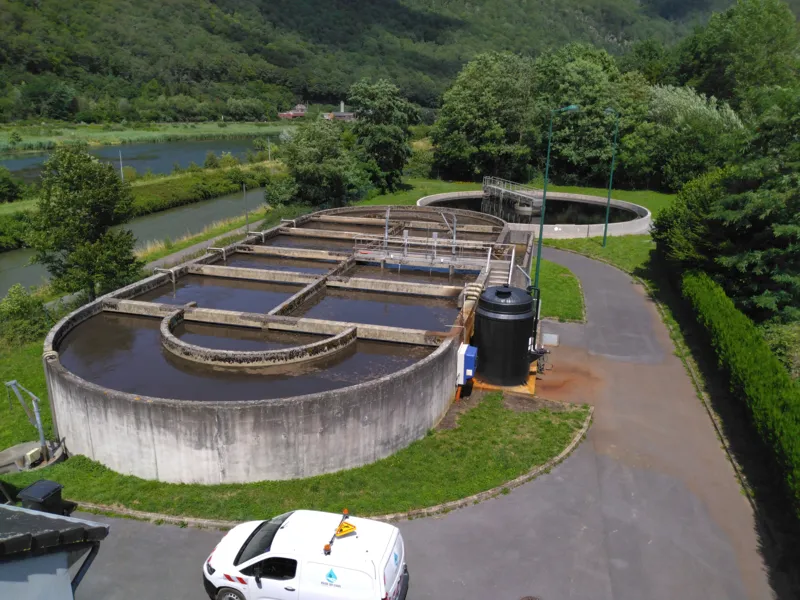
232 359
638 226
417 513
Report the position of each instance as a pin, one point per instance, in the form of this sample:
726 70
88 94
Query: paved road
646 508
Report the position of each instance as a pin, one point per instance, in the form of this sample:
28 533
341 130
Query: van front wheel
229 594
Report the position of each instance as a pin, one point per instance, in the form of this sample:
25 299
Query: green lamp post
611 111
553 113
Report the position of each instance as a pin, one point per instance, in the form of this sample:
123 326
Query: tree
80 200
383 118
742 225
754 44
485 118
682 135
589 77
10 189
324 166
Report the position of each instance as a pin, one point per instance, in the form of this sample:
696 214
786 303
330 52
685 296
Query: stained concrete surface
646 508
124 353
225 294
305 241
416 275
277 263
375 308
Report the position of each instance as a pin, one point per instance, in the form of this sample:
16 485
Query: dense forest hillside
196 59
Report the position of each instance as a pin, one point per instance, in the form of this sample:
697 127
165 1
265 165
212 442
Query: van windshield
260 540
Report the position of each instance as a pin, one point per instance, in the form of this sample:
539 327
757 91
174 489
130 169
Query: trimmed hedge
754 373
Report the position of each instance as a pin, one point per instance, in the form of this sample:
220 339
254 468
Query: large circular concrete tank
503 327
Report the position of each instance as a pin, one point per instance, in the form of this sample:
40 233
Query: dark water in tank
375 308
124 353
559 212
221 293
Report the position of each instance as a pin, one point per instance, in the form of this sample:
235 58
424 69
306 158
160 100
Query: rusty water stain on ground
569 378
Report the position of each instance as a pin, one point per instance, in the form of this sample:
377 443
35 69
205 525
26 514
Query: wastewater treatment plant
325 343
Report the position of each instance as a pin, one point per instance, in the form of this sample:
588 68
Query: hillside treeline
110 60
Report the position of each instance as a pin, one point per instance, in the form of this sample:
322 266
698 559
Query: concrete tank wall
638 226
227 442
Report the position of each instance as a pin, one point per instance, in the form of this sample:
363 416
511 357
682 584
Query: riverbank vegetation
37 136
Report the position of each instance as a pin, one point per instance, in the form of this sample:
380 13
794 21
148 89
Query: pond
158 157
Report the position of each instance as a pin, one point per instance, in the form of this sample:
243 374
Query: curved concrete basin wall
639 225
232 359
430 208
228 442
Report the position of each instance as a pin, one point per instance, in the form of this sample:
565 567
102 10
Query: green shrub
420 165
10 188
13 229
23 317
755 374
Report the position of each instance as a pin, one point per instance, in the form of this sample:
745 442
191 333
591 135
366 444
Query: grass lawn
8 208
628 252
562 298
25 365
42 137
490 445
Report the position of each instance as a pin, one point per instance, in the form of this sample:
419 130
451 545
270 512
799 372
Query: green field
43 137
628 252
562 298
490 446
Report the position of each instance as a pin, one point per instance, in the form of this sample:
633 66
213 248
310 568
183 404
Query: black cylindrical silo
503 327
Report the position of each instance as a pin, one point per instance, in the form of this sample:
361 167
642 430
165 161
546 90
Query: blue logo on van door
396 559
331 576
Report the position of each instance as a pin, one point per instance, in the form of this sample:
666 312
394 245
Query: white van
308 555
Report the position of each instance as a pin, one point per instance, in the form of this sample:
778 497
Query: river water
174 223
158 157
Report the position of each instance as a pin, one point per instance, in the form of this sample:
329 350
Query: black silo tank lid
506 300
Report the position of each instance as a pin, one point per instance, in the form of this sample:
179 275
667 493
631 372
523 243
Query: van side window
274 568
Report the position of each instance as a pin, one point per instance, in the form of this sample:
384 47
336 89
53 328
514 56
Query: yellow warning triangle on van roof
344 529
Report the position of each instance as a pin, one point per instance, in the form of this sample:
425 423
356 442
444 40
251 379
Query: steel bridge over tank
510 201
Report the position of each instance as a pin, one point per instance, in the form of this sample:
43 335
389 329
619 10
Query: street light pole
609 111
570 108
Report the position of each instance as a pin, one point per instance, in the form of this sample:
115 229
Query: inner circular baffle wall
638 226
234 441
239 359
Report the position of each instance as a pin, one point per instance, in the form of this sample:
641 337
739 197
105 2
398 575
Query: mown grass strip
490 445
23 363
562 298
